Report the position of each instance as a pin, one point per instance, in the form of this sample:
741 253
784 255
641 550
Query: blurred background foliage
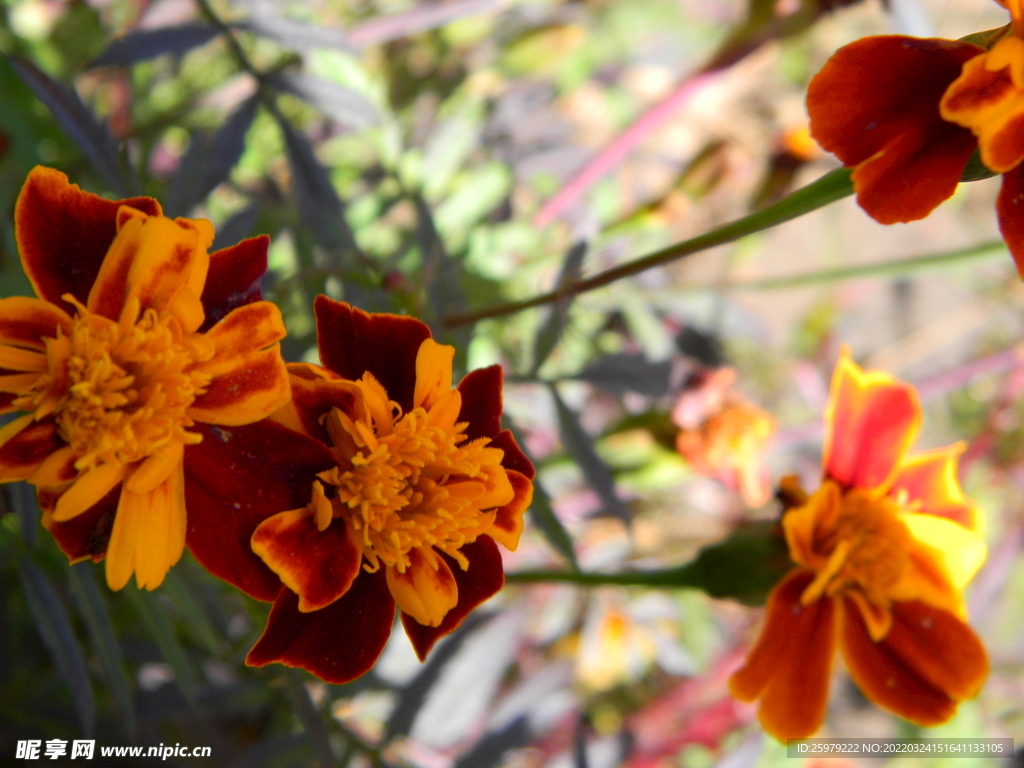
443 158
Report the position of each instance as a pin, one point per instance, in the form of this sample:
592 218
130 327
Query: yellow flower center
864 547
410 481
123 387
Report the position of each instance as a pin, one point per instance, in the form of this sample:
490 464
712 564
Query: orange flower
883 550
138 333
391 488
724 435
907 114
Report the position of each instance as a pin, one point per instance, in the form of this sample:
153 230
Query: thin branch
829 188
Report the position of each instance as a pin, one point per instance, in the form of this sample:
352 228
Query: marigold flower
907 114
384 486
137 335
882 550
724 435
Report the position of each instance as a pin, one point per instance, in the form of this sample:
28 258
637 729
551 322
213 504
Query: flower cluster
907 114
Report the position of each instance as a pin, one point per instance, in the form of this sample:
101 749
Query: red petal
886 676
234 480
352 342
20 455
789 666
234 278
930 480
317 565
63 233
313 395
481 402
508 522
338 643
256 386
876 103
514 457
870 422
1010 212
484 577
84 535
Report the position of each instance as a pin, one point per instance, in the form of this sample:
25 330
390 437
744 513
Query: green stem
873 269
682 577
829 188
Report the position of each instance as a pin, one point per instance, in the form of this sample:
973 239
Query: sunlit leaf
54 625
295 35
150 43
343 105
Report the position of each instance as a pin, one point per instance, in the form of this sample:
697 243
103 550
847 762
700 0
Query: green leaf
155 619
550 331
54 626
543 516
197 622
580 446
312 723
93 608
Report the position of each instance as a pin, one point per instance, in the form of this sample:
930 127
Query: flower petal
338 643
481 401
318 566
27 448
234 278
315 391
235 479
64 233
1010 212
790 664
478 583
248 329
508 522
512 455
433 373
25 322
899 672
875 105
155 260
930 482
352 342
871 420
426 591
148 535
88 488
961 553
85 535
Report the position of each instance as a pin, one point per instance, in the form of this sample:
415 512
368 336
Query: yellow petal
56 469
15 359
155 469
88 489
10 430
433 373
961 551
425 591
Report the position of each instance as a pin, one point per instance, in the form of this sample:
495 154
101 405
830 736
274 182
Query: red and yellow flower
378 485
908 113
138 334
882 551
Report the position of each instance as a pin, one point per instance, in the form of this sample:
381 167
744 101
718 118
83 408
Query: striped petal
234 278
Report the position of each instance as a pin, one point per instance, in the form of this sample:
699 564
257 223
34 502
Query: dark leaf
150 43
705 348
93 608
238 227
580 446
197 622
208 162
440 275
54 626
628 372
23 502
78 121
312 723
550 331
155 619
491 748
543 516
343 105
289 750
320 208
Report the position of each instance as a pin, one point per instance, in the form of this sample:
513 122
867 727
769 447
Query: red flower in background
378 485
883 550
907 114
138 336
